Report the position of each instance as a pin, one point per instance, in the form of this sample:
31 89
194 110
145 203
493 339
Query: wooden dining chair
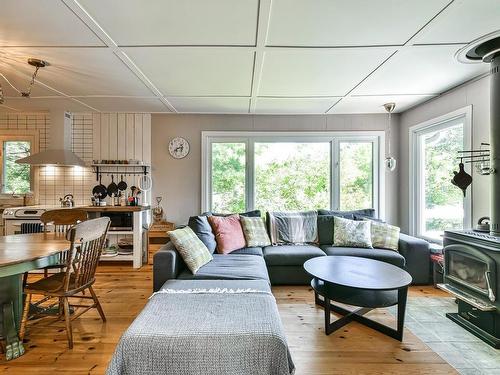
61 220
86 243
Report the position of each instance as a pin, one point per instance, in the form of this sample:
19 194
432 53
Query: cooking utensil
99 190
112 187
122 185
144 183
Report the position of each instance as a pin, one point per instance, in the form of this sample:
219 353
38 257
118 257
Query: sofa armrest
417 255
167 264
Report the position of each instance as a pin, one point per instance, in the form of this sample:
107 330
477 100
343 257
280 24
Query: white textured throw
209 291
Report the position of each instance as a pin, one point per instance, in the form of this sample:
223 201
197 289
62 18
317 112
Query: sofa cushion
249 251
351 233
228 233
387 256
254 213
385 236
290 255
254 231
325 226
297 228
201 227
194 252
230 267
366 212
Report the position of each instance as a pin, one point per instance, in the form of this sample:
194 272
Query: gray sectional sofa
283 265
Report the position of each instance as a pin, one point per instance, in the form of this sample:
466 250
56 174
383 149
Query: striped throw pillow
254 231
385 236
194 252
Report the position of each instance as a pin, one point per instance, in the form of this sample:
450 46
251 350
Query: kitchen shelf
118 258
126 169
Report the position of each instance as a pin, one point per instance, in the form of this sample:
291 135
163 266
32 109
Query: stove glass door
471 271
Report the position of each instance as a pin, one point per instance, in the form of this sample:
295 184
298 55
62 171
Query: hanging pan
122 185
99 191
112 187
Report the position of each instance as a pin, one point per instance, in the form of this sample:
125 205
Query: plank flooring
123 292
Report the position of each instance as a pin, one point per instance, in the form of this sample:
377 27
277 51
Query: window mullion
250 175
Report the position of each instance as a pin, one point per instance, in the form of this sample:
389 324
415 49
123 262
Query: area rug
426 319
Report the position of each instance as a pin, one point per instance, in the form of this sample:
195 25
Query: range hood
59 154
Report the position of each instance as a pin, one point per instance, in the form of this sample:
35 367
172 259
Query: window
291 176
437 204
291 171
228 177
356 175
15 178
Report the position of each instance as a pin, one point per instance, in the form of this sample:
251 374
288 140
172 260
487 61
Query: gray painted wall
476 94
179 181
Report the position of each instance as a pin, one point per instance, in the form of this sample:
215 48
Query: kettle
483 224
67 201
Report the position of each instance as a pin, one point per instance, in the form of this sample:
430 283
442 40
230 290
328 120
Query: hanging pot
122 185
461 179
112 187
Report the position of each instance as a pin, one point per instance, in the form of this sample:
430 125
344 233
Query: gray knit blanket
298 228
205 330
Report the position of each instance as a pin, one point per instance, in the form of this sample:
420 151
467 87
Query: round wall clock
178 147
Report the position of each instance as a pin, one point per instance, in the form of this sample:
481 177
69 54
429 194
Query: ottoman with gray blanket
219 327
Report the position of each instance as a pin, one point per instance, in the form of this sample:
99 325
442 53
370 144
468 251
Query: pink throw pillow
228 233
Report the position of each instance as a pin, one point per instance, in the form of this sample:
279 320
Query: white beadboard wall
96 136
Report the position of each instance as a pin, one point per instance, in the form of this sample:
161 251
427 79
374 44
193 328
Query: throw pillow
366 212
255 231
201 227
228 233
194 253
384 236
297 228
325 227
351 233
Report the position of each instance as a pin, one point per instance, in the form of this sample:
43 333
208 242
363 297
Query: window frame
19 135
415 181
334 138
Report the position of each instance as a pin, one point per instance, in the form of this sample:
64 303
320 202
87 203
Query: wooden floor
123 293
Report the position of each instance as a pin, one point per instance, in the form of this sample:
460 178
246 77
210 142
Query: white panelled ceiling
245 56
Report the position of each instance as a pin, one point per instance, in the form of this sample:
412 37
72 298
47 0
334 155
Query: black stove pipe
495 145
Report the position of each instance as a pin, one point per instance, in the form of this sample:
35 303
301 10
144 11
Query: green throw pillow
351 233
194 252
385 236
254 231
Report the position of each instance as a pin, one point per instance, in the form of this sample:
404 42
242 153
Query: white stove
15 216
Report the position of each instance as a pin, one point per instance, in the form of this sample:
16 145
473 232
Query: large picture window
291 171
436 204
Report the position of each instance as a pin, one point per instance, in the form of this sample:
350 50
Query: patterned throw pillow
351 233
228 233
255 231
194 252
385 236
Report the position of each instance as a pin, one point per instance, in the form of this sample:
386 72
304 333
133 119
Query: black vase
461 179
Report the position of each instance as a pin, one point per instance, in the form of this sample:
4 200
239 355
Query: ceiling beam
92 24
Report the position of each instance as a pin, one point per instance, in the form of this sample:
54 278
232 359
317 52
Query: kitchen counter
113 208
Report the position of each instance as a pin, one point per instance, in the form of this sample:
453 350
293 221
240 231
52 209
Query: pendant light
390 161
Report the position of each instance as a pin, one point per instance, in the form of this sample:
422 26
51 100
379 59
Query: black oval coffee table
362 282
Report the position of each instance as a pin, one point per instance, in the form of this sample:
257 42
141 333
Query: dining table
21 253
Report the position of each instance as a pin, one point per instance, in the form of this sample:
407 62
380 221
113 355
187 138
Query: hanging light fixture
37 63
390 161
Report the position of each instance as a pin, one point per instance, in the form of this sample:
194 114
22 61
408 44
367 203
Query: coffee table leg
402 295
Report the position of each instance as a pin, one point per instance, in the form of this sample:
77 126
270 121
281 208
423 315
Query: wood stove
470 274
472 259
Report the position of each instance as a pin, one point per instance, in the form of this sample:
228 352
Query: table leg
11 301
402 295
